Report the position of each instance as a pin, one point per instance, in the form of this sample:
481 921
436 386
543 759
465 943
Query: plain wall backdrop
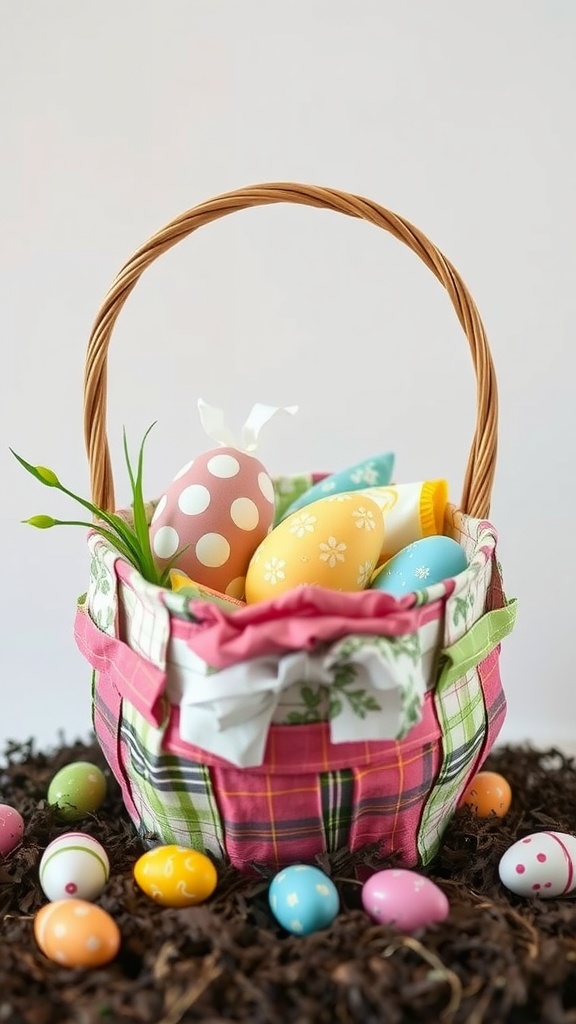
116 116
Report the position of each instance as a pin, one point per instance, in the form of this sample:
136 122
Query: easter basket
186 701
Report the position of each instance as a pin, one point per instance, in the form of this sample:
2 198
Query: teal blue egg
303 899
419 565
374 472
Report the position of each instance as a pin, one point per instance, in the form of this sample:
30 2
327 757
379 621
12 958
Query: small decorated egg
542 864
75 933
220 507
182 584
77 789
405 899
419 565
334 543
11 829
303 899
410 512
488 793
175 876
74 865
374 472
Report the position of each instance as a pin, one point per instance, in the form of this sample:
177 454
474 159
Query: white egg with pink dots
542 864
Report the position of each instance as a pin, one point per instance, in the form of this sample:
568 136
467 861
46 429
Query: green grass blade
140 522
49 479
124 529
117 543
132 542
165 574
115 522
127 459
112 538
45 476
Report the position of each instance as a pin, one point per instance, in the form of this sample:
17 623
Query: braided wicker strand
481 465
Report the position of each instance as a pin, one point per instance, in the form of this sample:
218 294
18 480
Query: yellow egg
334 543
175 876
75 933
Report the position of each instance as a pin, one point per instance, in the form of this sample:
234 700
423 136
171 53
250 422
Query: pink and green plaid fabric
310 795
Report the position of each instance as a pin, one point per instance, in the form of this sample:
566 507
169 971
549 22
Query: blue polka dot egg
303 899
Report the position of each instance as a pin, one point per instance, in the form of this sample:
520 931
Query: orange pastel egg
75 933
488 793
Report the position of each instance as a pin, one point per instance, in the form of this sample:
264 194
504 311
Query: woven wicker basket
309 795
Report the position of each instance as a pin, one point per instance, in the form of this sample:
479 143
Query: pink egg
11 829
404 899
221 506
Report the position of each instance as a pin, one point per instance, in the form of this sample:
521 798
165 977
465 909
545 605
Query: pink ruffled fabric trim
299 620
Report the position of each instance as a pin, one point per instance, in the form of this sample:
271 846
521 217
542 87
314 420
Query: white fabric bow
378 696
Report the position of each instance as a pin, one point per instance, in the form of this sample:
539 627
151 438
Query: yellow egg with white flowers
334 542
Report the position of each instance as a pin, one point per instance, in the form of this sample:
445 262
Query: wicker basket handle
482 458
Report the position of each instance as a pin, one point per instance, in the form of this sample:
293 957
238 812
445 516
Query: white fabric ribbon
229 712
215 425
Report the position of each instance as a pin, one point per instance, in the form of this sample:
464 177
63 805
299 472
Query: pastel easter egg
77 789
219 507
373 472
74 865
488 793
419 565
404 899
175 876
410 512
11 829
542 864
182 584
334 543
303 899
75 933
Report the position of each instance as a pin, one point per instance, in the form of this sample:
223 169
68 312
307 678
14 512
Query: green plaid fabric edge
337 796
174 796
462 715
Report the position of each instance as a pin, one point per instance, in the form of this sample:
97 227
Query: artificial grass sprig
133 543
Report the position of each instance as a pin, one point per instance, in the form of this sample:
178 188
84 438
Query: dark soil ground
496 958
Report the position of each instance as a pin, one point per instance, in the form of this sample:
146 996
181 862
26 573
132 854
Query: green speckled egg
77 789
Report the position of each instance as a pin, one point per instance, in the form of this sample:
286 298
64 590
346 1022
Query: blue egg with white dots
303 899
420 565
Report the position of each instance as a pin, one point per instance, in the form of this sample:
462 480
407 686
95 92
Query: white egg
74 866
542 864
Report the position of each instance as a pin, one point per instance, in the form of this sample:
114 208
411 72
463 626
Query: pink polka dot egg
74 866
541 864
219 507
11 829
404 899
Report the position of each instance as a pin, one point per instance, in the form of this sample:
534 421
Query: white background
116 116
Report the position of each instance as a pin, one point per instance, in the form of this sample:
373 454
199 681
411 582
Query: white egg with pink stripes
542 864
